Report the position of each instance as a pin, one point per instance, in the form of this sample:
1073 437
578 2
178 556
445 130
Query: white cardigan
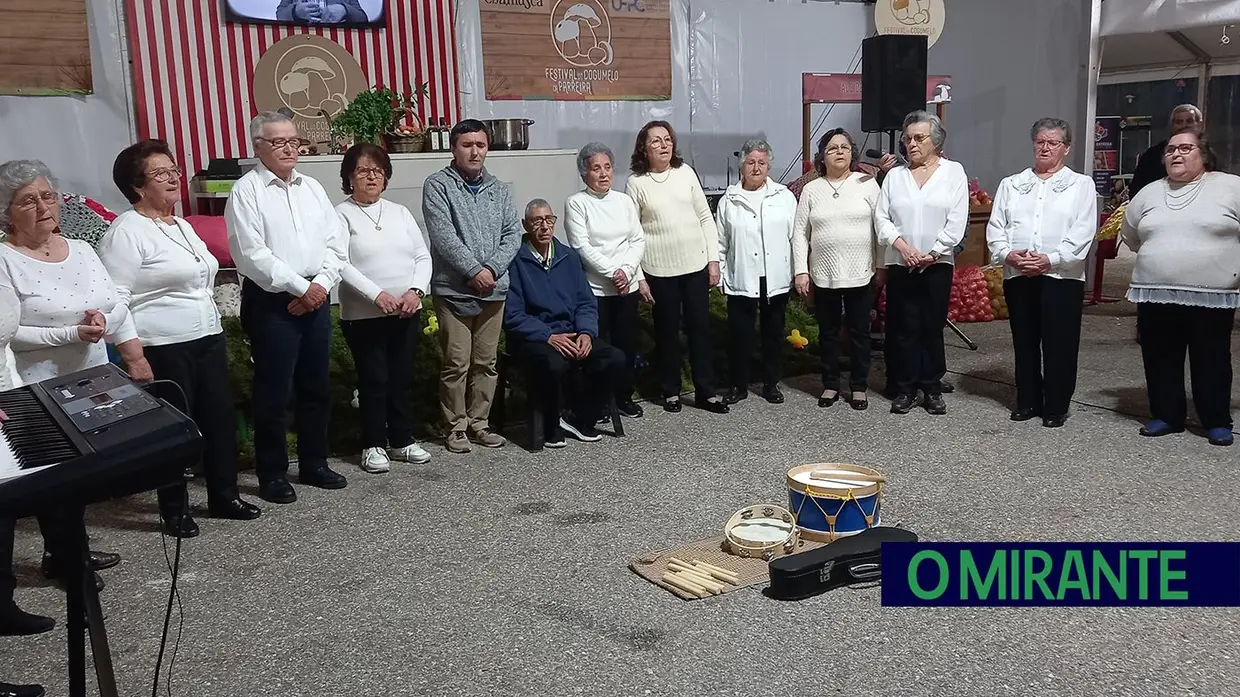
756 241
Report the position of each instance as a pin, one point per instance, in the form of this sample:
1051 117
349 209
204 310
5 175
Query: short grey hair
938 134
534 205
587 152
756 145
16 175
264 118
1049 124
1191 108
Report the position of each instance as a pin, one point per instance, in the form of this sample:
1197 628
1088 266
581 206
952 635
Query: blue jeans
292 357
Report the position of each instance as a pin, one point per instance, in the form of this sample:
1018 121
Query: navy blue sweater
544 301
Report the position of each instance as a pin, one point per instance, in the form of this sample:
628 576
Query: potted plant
384 117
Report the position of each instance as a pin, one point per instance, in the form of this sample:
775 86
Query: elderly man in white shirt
921 217
1041 227
289 244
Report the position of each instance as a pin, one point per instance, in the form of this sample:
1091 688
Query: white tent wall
1011 63
78 137
736 74
1148 16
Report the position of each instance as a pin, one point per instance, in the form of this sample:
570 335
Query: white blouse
165 275
386 252
1057 217
932 218
54 299
10 311
606 231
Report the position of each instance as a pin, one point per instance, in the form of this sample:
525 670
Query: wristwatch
419 293
935 255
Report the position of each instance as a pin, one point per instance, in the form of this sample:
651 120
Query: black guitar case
847 561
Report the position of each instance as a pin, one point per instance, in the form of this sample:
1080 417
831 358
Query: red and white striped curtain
192 72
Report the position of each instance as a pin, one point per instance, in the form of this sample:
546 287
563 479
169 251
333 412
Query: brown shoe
488 438
458 442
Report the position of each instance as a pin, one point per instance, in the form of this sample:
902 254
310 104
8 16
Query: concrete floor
505 572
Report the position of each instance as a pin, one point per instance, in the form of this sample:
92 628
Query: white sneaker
375 461
410 453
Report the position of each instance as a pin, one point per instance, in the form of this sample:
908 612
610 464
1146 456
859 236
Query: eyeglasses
916 138
1039 144
1182 148
659 140
838 149
281 143
369 172
166 174
51 199
544 221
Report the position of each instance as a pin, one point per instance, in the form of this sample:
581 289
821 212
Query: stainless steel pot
509 134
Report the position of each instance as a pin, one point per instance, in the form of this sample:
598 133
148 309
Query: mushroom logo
942 93
582 33
314 82
911 12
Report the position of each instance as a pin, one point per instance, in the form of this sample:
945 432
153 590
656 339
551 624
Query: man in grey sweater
474 234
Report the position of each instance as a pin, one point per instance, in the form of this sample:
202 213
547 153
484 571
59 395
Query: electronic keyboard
86 437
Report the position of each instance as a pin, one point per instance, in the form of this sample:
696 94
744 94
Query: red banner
845 88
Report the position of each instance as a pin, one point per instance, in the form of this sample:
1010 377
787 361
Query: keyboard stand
84 612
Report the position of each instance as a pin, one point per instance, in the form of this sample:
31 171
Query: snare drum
761 532
831 501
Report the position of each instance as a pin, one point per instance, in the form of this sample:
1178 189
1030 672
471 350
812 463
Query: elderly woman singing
755 247
165 275
1185 230
1040 230
68 302
603 226
681 261
921 216
835 251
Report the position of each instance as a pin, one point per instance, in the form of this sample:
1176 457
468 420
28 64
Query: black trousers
8 581
384 349
769 314
856 304
200 369
1166 332
687 297
546 369
617 325
916 314
292 356
1045 319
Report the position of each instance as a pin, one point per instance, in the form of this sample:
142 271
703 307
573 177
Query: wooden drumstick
684 585
718 572
697 577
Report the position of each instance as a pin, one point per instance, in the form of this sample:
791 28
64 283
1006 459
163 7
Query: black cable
174 566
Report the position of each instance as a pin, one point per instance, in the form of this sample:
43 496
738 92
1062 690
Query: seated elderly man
551 324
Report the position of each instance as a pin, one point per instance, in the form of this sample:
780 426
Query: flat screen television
308 13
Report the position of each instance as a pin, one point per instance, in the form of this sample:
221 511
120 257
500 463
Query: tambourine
763 531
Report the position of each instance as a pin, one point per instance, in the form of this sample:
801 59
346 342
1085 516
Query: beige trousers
467 381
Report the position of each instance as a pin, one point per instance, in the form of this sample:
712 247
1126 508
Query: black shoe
277 491
629 408
859 404
946 386
772 394
182 526
581 431
903 404
1054 421
11 690
935 405
671 404
323 478
1023 414
17 622
825 402
735 395
98 562
233 509
715 405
